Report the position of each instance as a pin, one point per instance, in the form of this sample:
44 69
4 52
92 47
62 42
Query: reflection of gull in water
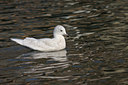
57 56
46 69
47 66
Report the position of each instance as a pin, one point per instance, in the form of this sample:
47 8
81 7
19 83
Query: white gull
46 44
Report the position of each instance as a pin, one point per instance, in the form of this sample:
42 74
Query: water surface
97 48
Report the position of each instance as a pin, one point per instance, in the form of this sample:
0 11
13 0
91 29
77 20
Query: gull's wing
45 44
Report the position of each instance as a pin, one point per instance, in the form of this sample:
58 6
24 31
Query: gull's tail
19 41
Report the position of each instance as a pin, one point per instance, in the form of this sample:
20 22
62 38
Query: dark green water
97 48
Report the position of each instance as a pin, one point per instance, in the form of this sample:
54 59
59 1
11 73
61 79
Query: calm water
97 49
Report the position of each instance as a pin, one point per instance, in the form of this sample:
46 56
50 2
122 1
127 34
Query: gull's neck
58 36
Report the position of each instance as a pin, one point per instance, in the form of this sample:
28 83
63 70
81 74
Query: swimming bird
46 44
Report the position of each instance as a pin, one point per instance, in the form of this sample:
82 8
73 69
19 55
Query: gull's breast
61 43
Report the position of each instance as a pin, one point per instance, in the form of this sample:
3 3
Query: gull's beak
65 35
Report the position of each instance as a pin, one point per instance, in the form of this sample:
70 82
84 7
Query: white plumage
46 44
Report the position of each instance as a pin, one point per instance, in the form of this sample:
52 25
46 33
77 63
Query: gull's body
46 44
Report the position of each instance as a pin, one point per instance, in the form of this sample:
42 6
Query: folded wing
37 44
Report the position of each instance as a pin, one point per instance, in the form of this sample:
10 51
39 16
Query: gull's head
60 30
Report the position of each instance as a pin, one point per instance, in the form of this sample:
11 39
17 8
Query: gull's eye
61 30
